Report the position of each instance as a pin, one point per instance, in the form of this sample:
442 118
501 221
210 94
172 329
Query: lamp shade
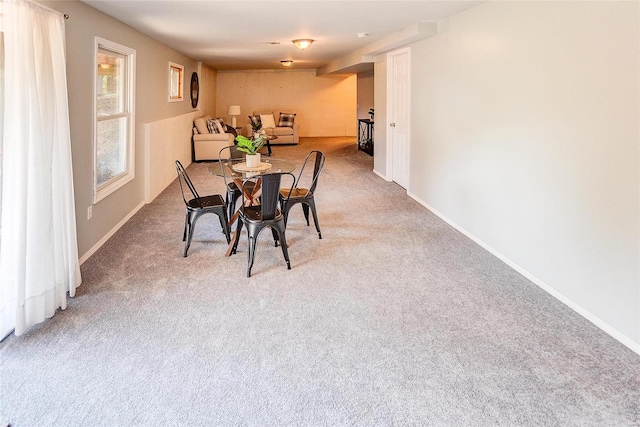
233 110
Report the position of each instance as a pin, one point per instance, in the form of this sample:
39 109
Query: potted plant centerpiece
250 146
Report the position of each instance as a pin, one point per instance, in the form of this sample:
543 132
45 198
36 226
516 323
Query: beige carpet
393 318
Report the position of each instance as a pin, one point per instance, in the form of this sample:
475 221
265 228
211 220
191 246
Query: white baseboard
381 175
625 340
102 241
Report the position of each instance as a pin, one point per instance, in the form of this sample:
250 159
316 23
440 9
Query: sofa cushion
267 121
201 125
286 120
282 130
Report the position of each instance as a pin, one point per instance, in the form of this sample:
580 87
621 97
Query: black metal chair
233 192
266 214
199 205
304 196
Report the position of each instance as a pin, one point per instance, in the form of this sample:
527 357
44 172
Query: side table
365 135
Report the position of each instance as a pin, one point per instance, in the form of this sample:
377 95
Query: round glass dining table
237 168
237 171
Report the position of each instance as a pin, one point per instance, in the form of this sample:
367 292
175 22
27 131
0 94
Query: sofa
288 135
206 145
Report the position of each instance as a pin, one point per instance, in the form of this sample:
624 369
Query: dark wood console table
365 135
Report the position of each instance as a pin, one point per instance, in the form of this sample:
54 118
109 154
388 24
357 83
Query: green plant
248 145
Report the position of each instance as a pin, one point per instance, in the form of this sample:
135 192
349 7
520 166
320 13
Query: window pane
110 86
112 149
176 82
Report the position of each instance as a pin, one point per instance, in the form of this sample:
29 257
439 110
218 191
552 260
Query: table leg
249 200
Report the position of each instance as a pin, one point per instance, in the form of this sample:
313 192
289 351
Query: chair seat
296 193
207 201
254 214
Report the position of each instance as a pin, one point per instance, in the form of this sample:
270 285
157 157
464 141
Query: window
176 82
114 118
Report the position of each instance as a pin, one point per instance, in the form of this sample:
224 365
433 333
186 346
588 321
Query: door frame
389 102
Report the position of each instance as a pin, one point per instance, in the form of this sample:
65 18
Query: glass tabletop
237 168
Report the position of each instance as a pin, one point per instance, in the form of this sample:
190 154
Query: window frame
105 189
173 67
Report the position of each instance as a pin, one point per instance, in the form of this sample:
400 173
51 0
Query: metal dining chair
267 214
304 196
233 192
199 205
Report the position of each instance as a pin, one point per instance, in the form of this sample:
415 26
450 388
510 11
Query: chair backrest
270 191
230 152
184 177
318 163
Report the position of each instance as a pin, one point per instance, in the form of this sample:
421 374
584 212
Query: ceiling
239 35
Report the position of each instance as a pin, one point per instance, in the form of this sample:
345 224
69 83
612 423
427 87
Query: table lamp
233 111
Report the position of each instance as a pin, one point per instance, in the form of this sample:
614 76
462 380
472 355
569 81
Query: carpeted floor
393 318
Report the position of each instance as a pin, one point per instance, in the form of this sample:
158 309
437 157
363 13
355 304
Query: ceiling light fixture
286 62
362 35
302 44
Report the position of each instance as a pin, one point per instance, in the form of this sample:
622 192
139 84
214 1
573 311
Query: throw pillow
219 119
255 120
267 121
286 120
201 124
214 126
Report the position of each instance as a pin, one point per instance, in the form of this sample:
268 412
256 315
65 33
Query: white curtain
38 249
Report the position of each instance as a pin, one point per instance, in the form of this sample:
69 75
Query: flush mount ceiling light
286 62
302 44
362 35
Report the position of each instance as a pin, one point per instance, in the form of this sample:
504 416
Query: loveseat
288 134
206 145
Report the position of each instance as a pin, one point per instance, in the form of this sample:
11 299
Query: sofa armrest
207 146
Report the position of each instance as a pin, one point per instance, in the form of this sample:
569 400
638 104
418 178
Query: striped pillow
286 120
214 126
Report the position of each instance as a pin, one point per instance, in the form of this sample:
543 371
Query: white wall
525 134
365 93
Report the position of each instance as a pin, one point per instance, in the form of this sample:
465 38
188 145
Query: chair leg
286 207
238 231
186 221
283 245
312 204
224 223
275 236
189 230
305 210
252 249
231 205
227 203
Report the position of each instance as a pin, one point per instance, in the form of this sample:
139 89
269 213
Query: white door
399 90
